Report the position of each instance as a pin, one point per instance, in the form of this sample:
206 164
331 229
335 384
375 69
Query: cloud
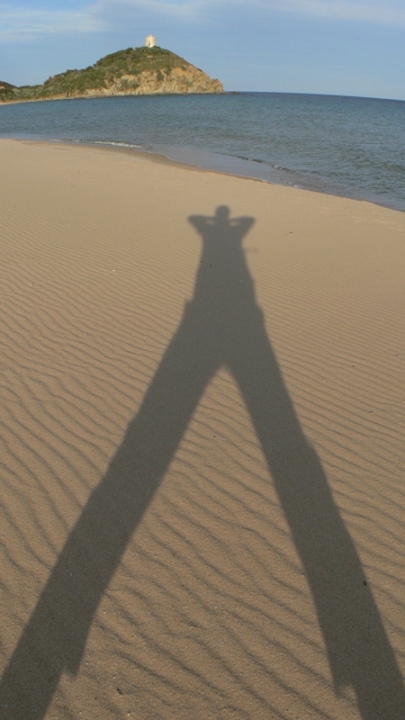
389 12
187 11
19 23
22 22
385 12
172 8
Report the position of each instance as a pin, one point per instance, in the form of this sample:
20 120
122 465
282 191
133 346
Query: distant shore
203 424
100 97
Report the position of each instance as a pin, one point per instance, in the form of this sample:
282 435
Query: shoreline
102 97
228 166
203 423
338 171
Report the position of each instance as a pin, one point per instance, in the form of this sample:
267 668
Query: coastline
257 568
351 167
217 163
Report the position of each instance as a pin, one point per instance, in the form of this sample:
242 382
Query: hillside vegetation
135 71
6 90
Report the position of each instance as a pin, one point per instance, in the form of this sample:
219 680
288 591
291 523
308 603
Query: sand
202 445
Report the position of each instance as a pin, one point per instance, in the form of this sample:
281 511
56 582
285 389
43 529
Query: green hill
6 86
135 71
6 90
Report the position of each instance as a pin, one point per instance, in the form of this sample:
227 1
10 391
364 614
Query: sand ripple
202 510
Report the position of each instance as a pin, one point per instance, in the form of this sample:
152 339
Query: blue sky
343 47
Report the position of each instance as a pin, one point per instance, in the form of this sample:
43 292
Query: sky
333 47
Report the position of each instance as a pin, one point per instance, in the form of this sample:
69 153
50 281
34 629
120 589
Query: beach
202 444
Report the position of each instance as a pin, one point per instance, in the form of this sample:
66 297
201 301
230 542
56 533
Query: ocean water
354 147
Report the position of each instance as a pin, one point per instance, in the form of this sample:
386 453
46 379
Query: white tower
150 41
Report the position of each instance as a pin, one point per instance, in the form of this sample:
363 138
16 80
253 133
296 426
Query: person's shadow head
223 282
221 226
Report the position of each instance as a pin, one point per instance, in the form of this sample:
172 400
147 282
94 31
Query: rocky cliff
135 71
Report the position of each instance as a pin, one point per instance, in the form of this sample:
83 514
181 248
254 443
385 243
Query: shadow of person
221 326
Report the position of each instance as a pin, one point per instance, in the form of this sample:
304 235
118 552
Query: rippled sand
202 445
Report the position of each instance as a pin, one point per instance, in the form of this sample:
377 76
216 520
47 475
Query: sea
347 146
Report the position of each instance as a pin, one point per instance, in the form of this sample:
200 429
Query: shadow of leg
358 648
55 637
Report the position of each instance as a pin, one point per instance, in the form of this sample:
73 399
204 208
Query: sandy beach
202 445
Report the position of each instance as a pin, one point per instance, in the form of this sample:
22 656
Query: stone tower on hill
150 41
